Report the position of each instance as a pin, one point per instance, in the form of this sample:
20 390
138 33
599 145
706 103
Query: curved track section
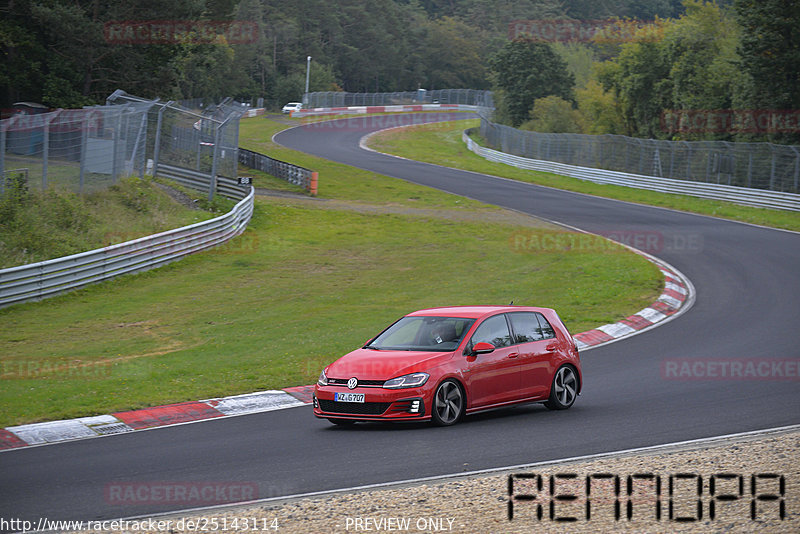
747 302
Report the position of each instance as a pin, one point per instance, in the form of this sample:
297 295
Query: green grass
309 280
36 226
441 144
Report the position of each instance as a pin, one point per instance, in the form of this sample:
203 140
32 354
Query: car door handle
551 348
513 355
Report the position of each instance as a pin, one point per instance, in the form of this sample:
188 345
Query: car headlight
323 379
407 381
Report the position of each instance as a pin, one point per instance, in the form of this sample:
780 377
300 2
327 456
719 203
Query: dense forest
732 54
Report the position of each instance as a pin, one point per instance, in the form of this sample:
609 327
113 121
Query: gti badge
352 383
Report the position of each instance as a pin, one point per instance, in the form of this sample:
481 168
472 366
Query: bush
14 196
555 115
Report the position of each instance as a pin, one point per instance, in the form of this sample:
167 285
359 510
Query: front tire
564 390
449 404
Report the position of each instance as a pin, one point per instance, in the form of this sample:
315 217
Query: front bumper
379 404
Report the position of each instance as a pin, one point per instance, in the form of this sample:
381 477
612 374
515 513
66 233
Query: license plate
349 397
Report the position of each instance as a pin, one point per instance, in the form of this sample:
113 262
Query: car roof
473 312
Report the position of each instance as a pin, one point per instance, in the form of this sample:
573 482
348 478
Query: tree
770 56
701 48
600 111
639 79
526 70
22 55
553 114
453 56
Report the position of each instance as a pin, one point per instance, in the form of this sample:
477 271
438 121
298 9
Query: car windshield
436 334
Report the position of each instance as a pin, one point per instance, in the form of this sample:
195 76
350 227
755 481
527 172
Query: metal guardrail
47 278
472 97
741 195
198 180
293 174
749 165
358 110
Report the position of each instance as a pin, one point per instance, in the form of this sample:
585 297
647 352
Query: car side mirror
482 348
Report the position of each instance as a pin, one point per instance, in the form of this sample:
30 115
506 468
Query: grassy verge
441 144
36 226
309 280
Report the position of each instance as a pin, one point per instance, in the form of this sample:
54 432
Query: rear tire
449 404
564 389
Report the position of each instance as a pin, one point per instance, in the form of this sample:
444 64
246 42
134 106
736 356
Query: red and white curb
677 296
172 414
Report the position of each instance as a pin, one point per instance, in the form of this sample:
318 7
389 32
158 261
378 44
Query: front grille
356 408
361 383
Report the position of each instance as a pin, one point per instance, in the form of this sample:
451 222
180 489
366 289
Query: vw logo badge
352 383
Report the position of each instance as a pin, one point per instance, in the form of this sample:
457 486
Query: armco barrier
305 178
197 180
741 195
350 110
47 278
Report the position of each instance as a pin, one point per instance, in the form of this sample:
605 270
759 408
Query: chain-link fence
91 148
756 165
331 99
78 149
189 142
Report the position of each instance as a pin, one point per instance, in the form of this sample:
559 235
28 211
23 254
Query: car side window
547 330
526 327
493 330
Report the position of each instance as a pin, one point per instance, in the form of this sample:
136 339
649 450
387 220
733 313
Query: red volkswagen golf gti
442 363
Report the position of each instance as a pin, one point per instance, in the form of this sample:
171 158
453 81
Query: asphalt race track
747 282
